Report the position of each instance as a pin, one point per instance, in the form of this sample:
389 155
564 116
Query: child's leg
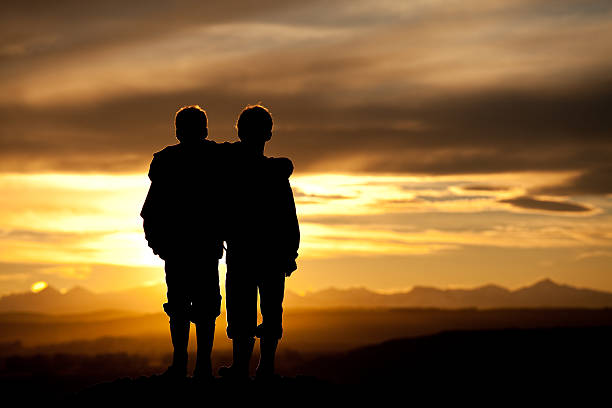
205 332
241 305
178 309
206 306
179 333
271 291
242 350
267 354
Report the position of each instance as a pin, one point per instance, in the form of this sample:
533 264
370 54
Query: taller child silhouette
262 235
180 217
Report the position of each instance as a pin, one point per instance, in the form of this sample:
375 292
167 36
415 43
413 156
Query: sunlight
39 286
346 194
71 219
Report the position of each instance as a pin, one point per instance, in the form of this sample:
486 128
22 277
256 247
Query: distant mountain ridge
543 294
146 299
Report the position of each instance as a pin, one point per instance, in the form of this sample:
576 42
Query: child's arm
292 230
151 210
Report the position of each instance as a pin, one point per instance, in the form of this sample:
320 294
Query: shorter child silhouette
180 224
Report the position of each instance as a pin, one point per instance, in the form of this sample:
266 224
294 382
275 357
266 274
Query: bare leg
242 351
267 347
179 333
205 333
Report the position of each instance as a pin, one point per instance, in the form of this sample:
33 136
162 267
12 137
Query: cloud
531 203
299 194
485 188
351 89
119 135
449 198
401 201
69 271
593 181
52 237
74 28
594 254
14 277
325 237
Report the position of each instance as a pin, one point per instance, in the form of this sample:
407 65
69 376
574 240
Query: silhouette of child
180 224
262 237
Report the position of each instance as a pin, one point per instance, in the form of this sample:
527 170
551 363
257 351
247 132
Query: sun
38 286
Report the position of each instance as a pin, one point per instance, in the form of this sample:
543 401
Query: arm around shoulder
293 231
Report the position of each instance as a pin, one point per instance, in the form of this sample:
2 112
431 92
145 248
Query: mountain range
543 294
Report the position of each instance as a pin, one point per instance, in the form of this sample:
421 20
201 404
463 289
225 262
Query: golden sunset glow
451 169
434 143
38 286
66 223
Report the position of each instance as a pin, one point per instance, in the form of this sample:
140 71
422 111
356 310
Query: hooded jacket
180 212
262 225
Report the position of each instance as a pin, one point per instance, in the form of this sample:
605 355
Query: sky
438 143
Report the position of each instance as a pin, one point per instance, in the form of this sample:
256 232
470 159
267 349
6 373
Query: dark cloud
46 30
593 181
424 199
532 203
484 187
399 201
299 194
415 221
42 28
442 199
119 134
335 108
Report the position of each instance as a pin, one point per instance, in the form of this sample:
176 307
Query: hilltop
513 363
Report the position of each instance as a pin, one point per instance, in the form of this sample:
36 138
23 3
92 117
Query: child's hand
291 266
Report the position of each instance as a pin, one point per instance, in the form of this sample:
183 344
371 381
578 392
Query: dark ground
547 364
306 330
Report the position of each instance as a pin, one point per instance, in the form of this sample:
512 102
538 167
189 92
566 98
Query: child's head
254 124
190 123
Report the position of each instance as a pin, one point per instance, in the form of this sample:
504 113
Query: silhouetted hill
511 360
80 300
493 365
37 329
543 294
311 330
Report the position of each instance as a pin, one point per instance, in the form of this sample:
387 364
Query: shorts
241 285
193 289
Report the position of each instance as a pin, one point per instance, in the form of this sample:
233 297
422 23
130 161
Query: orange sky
435 143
